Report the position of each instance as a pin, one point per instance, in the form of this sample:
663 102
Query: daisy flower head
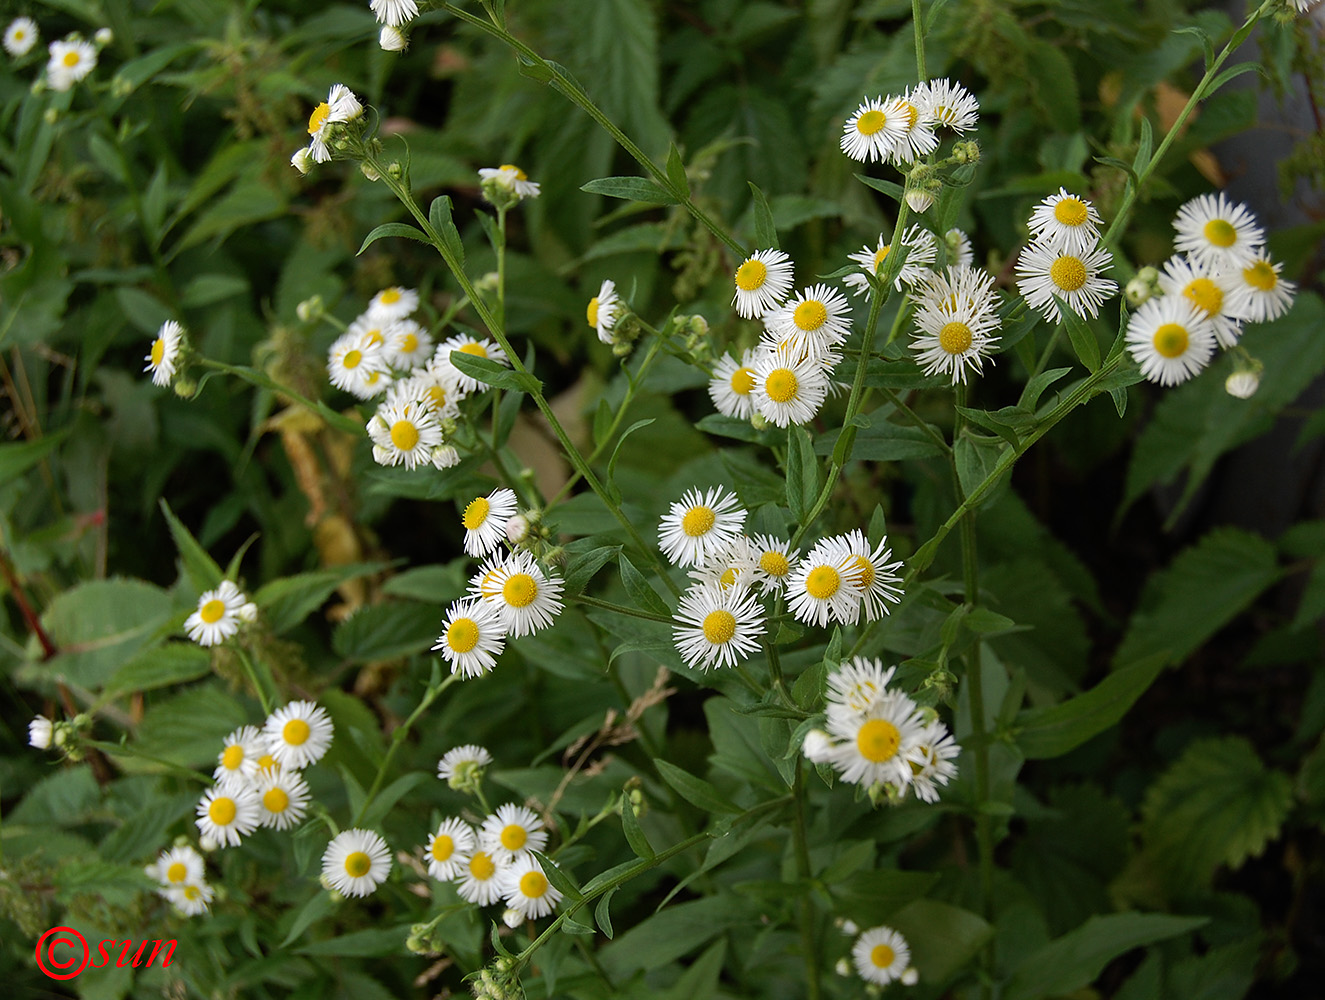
238 759
394 12
1066 222
953 339
192 899
479 883
356 862
871 133
228 813
404 431
921 253
873 746
512 831
825 585
943 102
717 626
40 732
916 136
881 955
932 761
775 559
357 364
472 637
526 889
1212 292
464 765
163 358
526 599
408 346
20 36
958 245
340 106
1043 272
449 849
298 734
440 388
218 615
731 386
71 60
510 178
762 283
853 687
818 317
957 286
1217 232
734 564
788 389
478 347
393 303
485 520
1259 293
700 525
176 867
282 798
604 310
1170 338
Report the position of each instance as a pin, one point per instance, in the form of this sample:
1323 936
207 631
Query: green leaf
1082 336
640 590
208 289
385 631
187 729
676 171
399 229
977 456
802 473
100 625
1030 396
890 188
871 897
1076 959
493 373
289 600
15 459
385 799
675 931
581 568
696 791
639 189
602 913
439 217
200 569
361 944
610 474
1053 731
635 835
162 666
766 233
1216 805
566 885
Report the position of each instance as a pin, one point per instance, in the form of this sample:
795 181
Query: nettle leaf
1216 805
384 631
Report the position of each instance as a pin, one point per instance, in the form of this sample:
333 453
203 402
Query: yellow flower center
871 122
1261 276
1205 294
742 381
881 956
751 275
296 732
319 117
866 572
221 811
373 337
404 435
1171 340
275 800
232 757
352 359
1220 232
371 378
822 582
513 836
389 297
357 864
810 315
533 885
437 396
878 740
719 626
476 513
476 349
158 351
519 590
192 892
520 175
591 313
1068 273
879 256
912 116
698 521
462 635
1071 212
481 866
781 385
212 611
71 59
409 343
442 847
177 872
727 578
955 337
774 564
266 762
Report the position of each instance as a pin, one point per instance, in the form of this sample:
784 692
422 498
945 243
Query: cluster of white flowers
71 59
219 615
877 737
340 106
899 130
1220 278
1064 259
510 595
182 880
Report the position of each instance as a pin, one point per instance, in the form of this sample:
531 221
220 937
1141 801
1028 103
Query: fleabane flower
228 813
392 39
449 849
717 626
733 564
1043 272
394 12
357 364
922 252
463 765
511 178
872 747
775 560
604 309
356 862
478 347
485 521
20 36
71 60
818 318
282 798
472 638
878 583
41 730
218 615
871 133
789 389
405 432
479 883
393 303
1217 232
298 734
1212 292
949 104
176 867
731 385
525 598
408 346
951 338
164 355
238 759
340 106
1066 222
931 761
526 889
853 687
916 136
438 386
512 831
762 283
1170 339
957 286
700 525
1259 294
881 955
825 585
191 899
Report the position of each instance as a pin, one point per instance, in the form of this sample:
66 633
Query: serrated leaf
766 233
639 189
696 791
1053 731
173 663
288 601
385 631
976 456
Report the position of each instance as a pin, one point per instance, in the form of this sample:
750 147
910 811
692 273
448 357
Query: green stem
802 846
123 750
919 22
252 673
919 421
621 609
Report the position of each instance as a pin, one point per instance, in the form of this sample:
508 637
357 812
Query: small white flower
1260 294
479 348
463 763
20 36
104 37
700 525
394 12
392 39
340 106
449 849
1066 223
527 890
824 585
511 832
931 761
776 561
392 304
853 687
479 883
357 364
735 563
922 252
356 862
298 734
485 521
1217 233
872 132
1242 384
177 867
238 759
217 617
604 310
192 899
1212 292
71 60
437 384
970 288
717 626
881 955
39 732
951 338
788 389
916 136
874 746
408 345
817 747
404 431
228 814
282 798
762 283
472 637
1043 272
943 102
1170 339
817 319
512 178
526 598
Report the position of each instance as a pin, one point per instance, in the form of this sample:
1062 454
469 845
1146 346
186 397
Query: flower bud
367 170
843 967
302 160
919 201
817 746
103 37
392 39
512 917
311 309
1143 286
1242 384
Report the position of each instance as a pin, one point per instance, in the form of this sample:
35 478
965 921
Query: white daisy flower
358 365
162 358
1260 294
510 832
217 617
953 339
824 585
1043 272
340 106
527 890
1212 292
449 849
356 862
71 60
463 763
485 521
40 732
604 310
479 347
872 132
959 249
1066 223
946 103
957 286
922 250
228 813
731 385
437 384
819 317
408 346
472 637
282 798
394 12
699 526
776 561
762 283
853 687
932 761
192 899
176 867
1170 339
479 883
735 562
1217 233
405 432
20 36
238 759
526 599
881 955
916 136
394 303
873 746
298 734
716 626
788 390
512 178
